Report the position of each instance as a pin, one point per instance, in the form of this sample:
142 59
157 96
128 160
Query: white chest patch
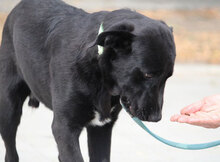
96 121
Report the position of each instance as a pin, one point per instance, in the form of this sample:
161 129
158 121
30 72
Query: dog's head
136 63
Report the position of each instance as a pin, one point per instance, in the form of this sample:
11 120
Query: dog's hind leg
99 142
13 91
12 95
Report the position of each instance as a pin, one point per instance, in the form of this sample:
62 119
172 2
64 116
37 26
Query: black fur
49 52
33 102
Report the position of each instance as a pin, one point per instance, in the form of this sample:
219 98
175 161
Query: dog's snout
154 117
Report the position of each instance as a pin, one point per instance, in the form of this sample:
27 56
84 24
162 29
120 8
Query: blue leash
171 143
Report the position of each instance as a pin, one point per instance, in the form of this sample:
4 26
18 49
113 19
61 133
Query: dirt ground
196 32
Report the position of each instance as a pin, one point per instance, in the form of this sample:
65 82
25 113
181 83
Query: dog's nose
154 117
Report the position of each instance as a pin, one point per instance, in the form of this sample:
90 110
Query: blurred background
196 25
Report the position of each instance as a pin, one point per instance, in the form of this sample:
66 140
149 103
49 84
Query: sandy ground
130 143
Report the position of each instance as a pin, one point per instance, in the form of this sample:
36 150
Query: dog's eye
147 76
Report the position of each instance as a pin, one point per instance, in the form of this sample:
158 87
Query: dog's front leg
67 138
99 142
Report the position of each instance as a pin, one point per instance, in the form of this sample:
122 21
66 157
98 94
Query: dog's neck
97 65
91 68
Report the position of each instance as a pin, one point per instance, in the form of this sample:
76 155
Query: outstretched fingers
204 119
186 111
179 118
192 108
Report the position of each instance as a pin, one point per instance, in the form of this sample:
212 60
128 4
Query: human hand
205 113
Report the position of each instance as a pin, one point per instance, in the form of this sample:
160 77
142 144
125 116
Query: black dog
49 52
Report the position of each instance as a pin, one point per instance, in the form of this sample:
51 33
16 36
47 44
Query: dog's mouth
132 110
127 103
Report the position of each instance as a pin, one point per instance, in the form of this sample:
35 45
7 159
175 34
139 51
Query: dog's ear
115 39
